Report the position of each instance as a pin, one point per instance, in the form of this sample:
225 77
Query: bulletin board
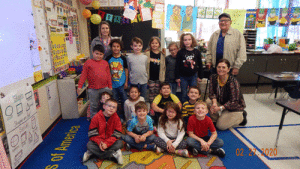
62 22
142 30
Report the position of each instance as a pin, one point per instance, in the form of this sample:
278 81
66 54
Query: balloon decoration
96 4
86 2
95 19
86 13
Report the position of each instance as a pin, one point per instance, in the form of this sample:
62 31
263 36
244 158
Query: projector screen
18 45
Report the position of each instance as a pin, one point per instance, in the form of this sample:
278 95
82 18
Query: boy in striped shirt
188 107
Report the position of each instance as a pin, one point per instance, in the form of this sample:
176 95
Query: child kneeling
104 133
171 132
140 129
197 128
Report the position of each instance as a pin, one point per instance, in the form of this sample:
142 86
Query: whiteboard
18 45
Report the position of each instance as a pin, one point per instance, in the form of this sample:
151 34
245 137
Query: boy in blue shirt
140 129
119 72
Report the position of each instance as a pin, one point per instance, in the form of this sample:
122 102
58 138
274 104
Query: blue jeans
143 89
185 82
218 143
173 87
130 140
120 93
94 97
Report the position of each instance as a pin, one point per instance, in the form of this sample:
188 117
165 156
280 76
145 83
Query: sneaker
151 147
159 150
244 122
183 152
127 147
118 156
195 152
86 156
218 152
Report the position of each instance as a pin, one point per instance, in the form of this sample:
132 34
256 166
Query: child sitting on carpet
197 128
161 99
171 132
140 129
134 97
188 107
103 97
104 133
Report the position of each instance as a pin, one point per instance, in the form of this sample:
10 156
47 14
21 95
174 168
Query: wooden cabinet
280 63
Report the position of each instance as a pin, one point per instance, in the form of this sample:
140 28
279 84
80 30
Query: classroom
149 84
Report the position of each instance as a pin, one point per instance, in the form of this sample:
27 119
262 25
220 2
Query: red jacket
97 73
106 132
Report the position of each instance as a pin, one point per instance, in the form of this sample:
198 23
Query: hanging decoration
96 4
117 19
101 13
273 17
86 13
95 19
86 2
295 16
109 17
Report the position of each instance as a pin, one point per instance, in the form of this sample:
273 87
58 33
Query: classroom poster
21 124
103 2
209 13
295 16
158 20
181 18
59 51
250 19
284 17
273 17
261 15
201 12
217 12
237 18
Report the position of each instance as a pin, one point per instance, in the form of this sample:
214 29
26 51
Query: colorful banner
21 124
295 16
181 18
261 15
237 18
284 17
273 17
250 19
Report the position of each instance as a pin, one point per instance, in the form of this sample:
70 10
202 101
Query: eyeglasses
227 20
110 106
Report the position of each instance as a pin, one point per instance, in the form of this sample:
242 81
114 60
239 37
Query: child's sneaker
86 156
127 147
159 150
151 147
118 156
195 152
182 152
218 152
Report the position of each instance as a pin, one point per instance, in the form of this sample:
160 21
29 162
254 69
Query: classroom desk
287 105
277 80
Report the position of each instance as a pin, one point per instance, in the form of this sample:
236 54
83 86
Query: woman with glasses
226 43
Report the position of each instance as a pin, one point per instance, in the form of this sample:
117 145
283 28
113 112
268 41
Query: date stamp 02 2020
270 152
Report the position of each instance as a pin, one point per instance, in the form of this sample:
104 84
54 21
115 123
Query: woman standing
103 39
226 101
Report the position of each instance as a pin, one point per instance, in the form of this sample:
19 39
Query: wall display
62 22
21 123
237 18
217 12
158 21
201 12
284 17
103 2
273 17
261 15
209 13
295 16
181 18
250 19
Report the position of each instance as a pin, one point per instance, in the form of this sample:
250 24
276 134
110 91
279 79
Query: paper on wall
237 18
129 13
159 7
114 3
103 2
53 99
146 14
121 2
21 123
158 20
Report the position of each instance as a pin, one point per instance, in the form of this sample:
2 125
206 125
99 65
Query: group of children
138 71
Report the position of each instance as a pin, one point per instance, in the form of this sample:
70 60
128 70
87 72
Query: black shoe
244 122
218 152
127 147
195 152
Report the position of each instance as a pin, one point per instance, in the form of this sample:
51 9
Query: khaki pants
227 118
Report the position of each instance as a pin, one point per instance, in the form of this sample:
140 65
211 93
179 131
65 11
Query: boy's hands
170 147
142 138
102 146
137 139
204 145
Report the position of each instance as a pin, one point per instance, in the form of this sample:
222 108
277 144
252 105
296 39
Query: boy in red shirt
197 128
104 133
97 72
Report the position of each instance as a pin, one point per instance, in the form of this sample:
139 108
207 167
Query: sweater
171 131
137 67
97 73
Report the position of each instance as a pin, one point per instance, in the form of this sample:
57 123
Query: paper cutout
217 12
114 2
129 13
101 13
159 7
202 12
209 13
175 18
130 4
273 17
38 76
284 17
237 18
146 14
261 18
158 20
250 19
139 17
109 17
117 19
295 16
187 22
103 3
134 21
